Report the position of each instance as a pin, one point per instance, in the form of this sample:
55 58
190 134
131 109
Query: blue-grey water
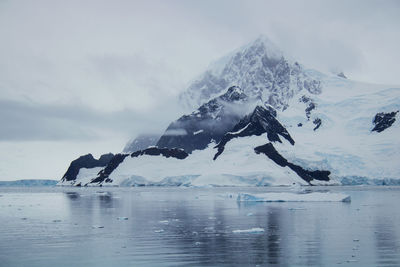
194 227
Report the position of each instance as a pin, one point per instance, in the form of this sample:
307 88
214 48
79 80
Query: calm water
193 227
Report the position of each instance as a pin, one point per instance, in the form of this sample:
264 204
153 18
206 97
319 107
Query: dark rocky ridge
151 151
111 166
165 152
209 122
86 161
383 121
261 120
270 151
310 105
317 122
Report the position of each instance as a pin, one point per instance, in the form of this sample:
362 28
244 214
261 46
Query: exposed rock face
165 152
209 122
261 70
260 121
151 151
270 151
382 121
317 122
141 142
86 161
310 105
111 166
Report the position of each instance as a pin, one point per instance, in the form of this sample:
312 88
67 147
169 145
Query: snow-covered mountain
260 119
260 69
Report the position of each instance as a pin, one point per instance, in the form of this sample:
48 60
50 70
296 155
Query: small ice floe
256 230
249 214
164 222
159 231
294 197
296 209
197 243
122 218
97 226
212 218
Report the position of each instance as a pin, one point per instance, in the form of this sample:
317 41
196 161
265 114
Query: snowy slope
344 143
239 165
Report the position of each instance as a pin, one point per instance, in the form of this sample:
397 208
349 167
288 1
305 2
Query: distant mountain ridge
28 183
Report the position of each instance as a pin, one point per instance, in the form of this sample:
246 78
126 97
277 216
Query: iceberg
294 197
256 230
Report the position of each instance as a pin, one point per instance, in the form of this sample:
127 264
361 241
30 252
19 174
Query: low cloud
175 132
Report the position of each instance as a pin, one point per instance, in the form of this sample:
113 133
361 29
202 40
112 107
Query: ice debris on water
164 222
294 197
97 226
249 214
256 230
158 231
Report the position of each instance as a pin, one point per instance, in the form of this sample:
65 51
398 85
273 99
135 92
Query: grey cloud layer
92 67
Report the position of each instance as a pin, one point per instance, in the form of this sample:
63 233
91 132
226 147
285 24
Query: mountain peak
260 70
264 46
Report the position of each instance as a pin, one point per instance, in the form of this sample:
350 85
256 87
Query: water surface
194 227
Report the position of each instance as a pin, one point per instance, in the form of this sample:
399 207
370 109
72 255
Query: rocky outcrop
383 120
165 152
270 151
111 166
317 122
86 161
209 122
104 174
261 120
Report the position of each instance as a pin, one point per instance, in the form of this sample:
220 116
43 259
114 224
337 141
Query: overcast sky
86 76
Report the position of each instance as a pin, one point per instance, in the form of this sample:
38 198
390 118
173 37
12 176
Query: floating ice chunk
249 214
122 218
164 222
293 197
256 230
97 226
158 231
